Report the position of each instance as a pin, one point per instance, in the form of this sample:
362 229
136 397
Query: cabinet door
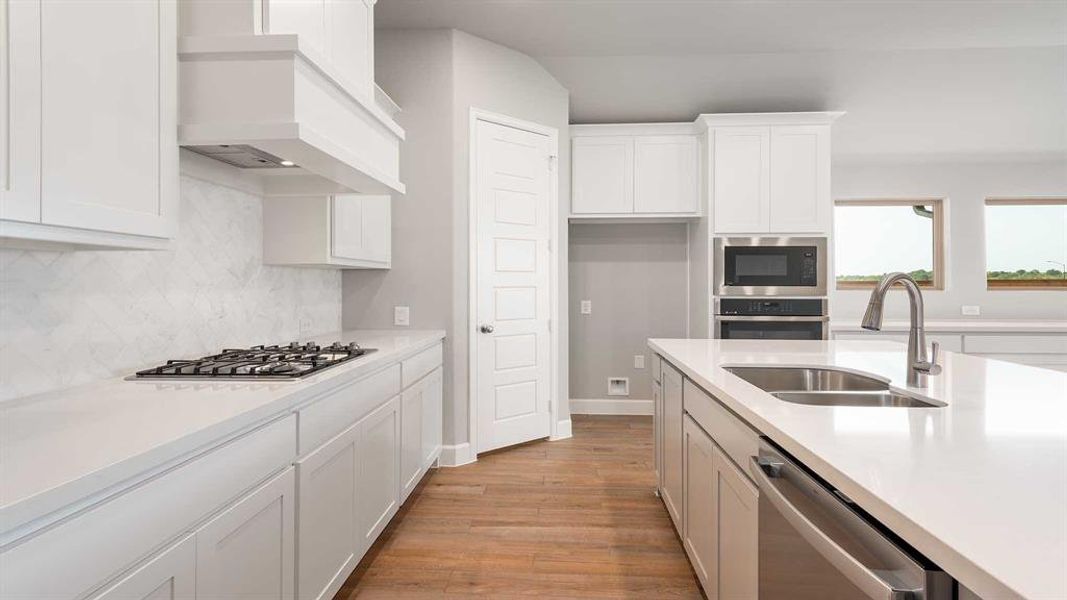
737 525
740 179
657 431
109 152
170 575
603 175
666 175
361 228
350 39
432 418
20 111
379 471
800 179
411 409
247 551
327 544
700 505
673 449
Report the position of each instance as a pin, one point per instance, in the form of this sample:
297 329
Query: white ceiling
954 78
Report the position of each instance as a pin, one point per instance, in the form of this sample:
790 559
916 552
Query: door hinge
551 161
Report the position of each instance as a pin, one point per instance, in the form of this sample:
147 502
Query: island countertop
978 486
59 447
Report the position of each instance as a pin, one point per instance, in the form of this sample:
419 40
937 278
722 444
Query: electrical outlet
587 307
618 386
971 311
639 361
401 316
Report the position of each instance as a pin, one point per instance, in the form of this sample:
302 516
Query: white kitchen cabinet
92 124
432 417
736 504
700 510
411 413
800 179
169 575
769 173
666 174
673 445
350 42
344 231
248 550
327 488
603 175
378 471
657 428
740 179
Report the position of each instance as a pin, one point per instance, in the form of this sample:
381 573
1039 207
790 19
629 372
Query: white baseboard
610 406
457 455
563 431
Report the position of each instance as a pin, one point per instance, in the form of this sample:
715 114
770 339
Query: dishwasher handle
862 577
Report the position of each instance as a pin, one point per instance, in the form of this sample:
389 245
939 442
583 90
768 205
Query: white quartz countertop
60 447
978 486
959 326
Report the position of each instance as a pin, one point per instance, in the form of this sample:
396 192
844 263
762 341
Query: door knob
486 329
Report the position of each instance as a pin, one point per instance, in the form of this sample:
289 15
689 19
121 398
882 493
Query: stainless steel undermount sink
824 386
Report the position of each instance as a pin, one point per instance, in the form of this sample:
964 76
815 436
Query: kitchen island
978 486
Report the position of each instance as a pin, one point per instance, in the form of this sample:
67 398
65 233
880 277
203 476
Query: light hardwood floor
575 518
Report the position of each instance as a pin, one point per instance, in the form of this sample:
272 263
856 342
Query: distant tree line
924 275
920 275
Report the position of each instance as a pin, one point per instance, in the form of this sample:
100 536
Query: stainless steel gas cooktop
259 362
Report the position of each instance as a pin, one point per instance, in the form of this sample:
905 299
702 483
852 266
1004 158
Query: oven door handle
862 577
771 318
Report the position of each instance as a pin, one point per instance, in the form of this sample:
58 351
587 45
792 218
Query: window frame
938 238
1018 285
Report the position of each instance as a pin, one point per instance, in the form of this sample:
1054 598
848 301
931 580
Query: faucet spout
918 364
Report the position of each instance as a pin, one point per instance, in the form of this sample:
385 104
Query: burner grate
260 362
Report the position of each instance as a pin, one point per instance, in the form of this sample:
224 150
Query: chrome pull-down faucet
919 366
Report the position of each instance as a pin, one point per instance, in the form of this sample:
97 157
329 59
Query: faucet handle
931 367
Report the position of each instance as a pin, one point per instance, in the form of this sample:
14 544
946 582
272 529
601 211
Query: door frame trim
477 114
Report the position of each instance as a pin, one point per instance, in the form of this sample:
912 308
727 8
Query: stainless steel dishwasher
814 544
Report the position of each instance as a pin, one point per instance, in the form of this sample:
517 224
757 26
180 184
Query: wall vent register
259 362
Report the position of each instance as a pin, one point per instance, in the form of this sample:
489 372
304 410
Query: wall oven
770 266
771 319
815 544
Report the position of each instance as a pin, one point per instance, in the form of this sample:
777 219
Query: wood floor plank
573 518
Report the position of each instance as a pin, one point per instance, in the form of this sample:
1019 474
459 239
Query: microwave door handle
863 578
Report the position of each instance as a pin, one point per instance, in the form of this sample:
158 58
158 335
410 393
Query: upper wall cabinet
344 231
769 173
628 171
285 89
88 155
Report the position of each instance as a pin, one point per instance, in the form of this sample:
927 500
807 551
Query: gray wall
437 76
964 188
636 277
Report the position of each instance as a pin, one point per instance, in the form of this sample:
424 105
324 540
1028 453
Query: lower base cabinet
673 445
170 575
721 519
378 471
248 550
420 429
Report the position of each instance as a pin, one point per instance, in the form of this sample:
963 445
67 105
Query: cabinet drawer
416 367
96 545
331 414
1015 344
729 432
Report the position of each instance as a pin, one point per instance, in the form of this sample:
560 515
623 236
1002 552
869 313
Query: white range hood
273 105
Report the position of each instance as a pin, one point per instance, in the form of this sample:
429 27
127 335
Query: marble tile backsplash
72 317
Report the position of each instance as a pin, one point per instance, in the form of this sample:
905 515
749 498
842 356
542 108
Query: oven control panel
772 307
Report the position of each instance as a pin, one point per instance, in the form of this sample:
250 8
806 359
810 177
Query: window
1026 243
875 237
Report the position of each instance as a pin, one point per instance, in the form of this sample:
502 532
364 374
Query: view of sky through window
1026 242
872 240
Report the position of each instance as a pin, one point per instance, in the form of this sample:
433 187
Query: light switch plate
401 316
971 311
639 361
587 307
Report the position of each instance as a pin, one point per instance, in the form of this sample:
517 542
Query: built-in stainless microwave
770 266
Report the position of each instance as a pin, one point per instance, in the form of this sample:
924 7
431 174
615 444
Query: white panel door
700 507
378 496
328 539
432 418
740 179
20 111
666 175
170 575
736 522
800 179
602 175
411 409
673 445
109 134
511 330
248 550
361 228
